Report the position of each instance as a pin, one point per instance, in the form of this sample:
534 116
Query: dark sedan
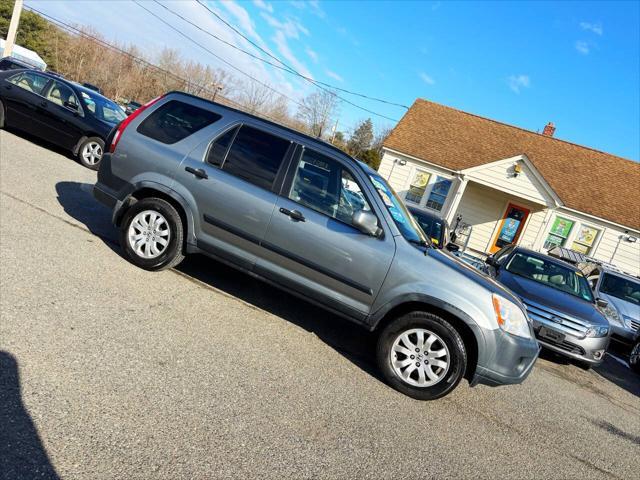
59 111
566 316
435 227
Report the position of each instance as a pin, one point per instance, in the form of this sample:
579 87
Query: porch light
517 170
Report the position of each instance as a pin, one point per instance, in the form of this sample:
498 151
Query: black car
634 356
131 107
59 111
436 228
11 63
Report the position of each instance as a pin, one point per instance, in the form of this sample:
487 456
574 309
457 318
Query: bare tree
382 134
317 111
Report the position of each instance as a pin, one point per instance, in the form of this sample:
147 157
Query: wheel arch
147 190
84 137
462 322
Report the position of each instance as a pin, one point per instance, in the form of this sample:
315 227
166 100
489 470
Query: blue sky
575 63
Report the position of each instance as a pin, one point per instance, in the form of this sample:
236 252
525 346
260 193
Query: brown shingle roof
587 180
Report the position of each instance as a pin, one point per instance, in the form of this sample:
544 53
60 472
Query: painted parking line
619 360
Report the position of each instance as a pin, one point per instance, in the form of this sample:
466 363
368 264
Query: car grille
566 346
558 321
635 326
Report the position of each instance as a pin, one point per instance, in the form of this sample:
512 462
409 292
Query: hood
627 309
443 256
553 299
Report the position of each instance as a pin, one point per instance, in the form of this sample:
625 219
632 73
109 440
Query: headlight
597 331
611 313
510 317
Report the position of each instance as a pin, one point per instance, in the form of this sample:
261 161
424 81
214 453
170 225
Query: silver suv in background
185 175
622 292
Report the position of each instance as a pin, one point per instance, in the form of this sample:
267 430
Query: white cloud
261 4
283 47
291 28
592 27
518 82
312 54
427 78
334 75
582 47
313 6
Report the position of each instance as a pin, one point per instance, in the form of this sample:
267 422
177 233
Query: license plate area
551 335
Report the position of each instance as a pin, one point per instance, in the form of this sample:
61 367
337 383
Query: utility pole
335 129
13 29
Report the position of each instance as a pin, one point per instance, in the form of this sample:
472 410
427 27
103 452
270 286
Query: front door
510 227
22 94
311 245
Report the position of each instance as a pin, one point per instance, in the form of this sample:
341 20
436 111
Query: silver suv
185 175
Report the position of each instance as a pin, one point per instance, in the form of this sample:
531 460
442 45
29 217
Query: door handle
43 104
198 172
294 214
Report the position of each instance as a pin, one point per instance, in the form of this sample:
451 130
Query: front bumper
587 350
512 361
622 333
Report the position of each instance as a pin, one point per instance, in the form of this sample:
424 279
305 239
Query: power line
287 67
76 31
217 56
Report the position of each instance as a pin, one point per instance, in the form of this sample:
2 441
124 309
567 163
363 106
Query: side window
59 93
501 255
323 185
256 156
218 149
175 121
31 82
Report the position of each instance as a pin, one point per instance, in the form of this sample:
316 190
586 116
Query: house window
417 187
584 240
439 192
558 234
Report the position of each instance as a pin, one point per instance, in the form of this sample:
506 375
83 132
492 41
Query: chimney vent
549 129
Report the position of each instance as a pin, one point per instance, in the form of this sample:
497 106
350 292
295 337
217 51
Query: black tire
2 117
447 335
634 358
172 254
88 161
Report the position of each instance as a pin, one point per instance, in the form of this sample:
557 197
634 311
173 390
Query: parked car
435 227
634 356
93 87
566 316
272 202
59 111
131 107
11 63
622 291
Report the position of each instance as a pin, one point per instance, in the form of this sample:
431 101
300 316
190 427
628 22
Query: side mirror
601 302
452 247
491 261
366 222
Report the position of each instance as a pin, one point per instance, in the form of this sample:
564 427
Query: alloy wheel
420 357
149 234
91 153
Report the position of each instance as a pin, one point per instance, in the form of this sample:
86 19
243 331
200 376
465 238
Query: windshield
102 108
622 288
401 216
432 227
551 274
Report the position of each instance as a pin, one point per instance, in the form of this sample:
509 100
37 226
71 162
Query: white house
516 186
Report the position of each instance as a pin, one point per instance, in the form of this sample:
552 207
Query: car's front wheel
90 152
421 355
152 234
634 358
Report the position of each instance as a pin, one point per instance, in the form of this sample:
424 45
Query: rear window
175 121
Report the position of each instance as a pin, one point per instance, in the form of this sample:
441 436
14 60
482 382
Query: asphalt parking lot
108 371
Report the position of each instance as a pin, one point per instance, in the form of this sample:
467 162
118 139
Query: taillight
125 123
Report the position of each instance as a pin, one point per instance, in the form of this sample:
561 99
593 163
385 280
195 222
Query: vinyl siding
481 207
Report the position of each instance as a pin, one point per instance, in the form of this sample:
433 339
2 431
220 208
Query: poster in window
509 230
586 236
417 187
561 227
576 247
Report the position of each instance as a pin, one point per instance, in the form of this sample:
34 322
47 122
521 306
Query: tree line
124 73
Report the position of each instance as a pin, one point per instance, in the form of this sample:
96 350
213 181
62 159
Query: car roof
619 273
546 257
308 138
17 61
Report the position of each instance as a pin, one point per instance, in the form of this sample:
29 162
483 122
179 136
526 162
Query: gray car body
556 310
360 277
628 328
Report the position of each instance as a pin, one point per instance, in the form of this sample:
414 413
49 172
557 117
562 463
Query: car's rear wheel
90 152
421 355
634 358
152 234
2 116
